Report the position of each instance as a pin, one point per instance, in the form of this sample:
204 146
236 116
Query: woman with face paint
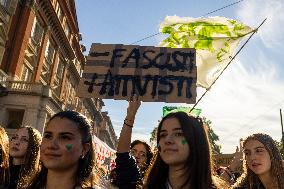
183 160
4 158
67 154
24 155
131 156
263 166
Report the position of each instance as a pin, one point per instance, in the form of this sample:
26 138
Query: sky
246 99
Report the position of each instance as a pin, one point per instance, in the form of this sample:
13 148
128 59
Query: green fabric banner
169 109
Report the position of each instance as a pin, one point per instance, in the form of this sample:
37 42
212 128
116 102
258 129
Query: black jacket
128 175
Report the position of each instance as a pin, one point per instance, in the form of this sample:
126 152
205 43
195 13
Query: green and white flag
169 109
215 40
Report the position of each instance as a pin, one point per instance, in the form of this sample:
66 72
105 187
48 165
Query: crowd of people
63 157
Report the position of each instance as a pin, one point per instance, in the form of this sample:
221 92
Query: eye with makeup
65 137
47 135
259 150
133 152
163 134
22 139
179 134
246 152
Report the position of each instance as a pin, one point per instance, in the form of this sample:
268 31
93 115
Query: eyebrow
175 129
61 133
16 135
66 133
258 147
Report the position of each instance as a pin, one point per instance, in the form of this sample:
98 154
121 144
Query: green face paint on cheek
183 141
68 147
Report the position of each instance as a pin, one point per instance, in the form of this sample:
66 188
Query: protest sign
155 74
105 156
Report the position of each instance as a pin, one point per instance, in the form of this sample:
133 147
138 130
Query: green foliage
153 138
213 137
280 147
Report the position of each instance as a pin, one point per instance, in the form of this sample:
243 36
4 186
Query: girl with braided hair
263 165
24 156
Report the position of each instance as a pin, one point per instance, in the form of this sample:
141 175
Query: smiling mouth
256 165
170 150
52 155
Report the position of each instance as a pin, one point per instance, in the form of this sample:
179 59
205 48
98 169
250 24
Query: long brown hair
4 158
86 175
249 178
198 166
31 165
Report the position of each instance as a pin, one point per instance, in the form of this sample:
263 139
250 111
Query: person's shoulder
93 187
109 186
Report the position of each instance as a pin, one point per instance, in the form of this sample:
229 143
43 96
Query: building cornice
55 25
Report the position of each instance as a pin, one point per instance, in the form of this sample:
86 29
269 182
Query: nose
16 142
252 157
53 144
169 139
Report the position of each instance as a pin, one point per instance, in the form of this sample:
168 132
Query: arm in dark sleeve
128 174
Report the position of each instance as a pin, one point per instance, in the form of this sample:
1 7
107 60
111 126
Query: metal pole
282 128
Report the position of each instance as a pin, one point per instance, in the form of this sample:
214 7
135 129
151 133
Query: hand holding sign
133 106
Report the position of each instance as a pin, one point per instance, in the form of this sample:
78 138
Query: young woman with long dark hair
183 160
67 154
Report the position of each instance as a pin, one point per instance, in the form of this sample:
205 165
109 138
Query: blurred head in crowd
24 151
142 153
4 158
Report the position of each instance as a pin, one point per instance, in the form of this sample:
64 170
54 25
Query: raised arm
128 175
126 131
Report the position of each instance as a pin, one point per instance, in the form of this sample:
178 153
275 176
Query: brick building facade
41 62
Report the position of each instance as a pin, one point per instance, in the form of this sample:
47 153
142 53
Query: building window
4 2
15 118
48 61
67 31
59 12
37 33
49 53
27 73
60 69
58 77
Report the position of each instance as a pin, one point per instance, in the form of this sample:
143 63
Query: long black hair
198 168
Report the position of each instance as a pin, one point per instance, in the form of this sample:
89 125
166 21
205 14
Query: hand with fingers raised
133 105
